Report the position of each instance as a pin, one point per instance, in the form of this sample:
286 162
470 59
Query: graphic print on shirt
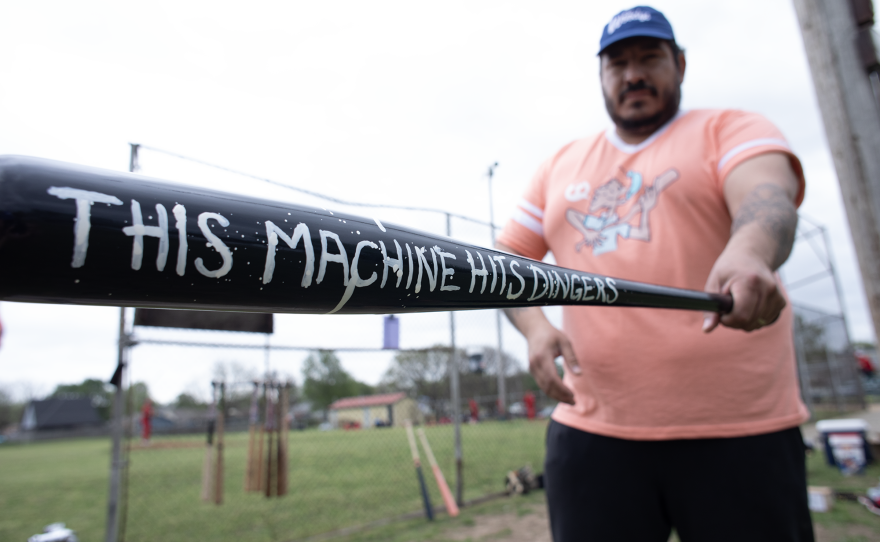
602 226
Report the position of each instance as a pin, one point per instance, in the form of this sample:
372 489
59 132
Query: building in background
385 410
60 413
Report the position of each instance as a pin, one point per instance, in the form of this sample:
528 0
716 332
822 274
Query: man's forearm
765 225
524 318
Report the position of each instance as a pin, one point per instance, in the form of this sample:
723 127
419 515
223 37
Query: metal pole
266 355
112 533
850 352
133 158
456 396
830 30
502 382
118 423
803 367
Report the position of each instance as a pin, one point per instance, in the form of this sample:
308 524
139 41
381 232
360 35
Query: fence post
456 396
112 532
803 369
502 383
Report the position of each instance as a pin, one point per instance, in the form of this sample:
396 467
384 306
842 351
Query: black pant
607 489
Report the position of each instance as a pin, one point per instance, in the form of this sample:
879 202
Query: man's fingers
546 375
568 356
747 301
552 385
711 321
756 305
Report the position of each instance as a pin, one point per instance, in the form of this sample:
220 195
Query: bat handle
725 303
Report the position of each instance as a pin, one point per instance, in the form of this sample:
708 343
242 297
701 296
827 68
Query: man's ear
682 63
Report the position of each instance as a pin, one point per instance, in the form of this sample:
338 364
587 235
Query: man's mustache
641 85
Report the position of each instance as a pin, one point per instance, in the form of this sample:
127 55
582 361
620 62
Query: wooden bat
271 464
88 236
448 500
251 473
426 500
261 437
282 440
208 463
218 474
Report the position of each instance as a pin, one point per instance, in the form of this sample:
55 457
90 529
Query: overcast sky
387 102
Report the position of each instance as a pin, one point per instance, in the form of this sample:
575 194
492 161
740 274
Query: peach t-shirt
655 212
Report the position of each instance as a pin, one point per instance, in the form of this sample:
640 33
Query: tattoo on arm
771 208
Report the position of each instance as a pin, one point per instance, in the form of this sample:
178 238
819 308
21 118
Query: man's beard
645 125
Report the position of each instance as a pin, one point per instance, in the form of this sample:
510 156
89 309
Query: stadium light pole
502 384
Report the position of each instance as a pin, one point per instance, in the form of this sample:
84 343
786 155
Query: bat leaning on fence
71 234
208 472
414 450
252 467
218 467
451 506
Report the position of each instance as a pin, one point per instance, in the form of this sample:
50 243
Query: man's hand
757 300
546 343
760 193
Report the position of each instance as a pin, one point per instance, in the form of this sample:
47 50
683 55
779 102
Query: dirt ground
534 527
508 527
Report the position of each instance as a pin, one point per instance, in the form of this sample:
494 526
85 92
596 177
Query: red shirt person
146 420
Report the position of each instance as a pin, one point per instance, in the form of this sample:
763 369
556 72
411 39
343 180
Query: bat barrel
72 234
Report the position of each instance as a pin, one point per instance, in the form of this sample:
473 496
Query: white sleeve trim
534 209
528 221
750 145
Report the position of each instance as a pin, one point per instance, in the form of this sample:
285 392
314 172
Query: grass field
337 479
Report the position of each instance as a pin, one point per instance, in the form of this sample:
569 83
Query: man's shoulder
576 148
719 116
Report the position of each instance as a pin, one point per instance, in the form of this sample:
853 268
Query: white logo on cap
627 16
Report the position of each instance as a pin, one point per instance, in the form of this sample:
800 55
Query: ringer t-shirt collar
613 138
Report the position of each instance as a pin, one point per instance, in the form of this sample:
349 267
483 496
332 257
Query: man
668 420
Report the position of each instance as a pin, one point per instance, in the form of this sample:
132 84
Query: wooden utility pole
843 61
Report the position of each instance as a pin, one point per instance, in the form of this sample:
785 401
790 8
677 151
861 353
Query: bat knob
725 303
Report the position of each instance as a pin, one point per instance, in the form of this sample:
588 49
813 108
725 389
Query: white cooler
846 444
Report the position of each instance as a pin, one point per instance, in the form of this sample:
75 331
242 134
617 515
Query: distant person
865 365
529 400
146 421
660 425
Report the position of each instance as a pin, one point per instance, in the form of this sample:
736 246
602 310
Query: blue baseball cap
637 21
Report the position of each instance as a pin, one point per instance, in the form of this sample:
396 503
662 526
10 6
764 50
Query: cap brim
638 33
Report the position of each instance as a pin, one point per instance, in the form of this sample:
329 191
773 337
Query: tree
326 381
423 374
136 394
10 409
98 391
187 400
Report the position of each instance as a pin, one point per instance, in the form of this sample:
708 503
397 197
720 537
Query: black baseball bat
414 450
73 234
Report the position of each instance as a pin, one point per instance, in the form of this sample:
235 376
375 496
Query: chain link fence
348 459
830 379
349 463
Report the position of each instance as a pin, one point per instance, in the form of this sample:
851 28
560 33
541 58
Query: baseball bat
72 234
426 500
251 474
448 500
261 437
218 473
283 479
271 464
208 463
